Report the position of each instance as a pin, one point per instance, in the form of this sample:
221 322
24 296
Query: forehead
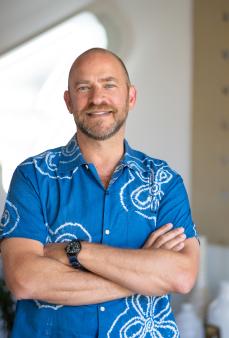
96 65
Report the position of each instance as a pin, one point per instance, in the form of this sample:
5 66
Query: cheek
79 103
119 100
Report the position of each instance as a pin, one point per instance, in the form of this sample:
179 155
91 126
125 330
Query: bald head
99 94
96 51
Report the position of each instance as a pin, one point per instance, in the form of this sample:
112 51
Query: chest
105 179
82 208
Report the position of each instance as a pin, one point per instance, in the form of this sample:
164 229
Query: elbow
20 286
20 292
15 289
184 282
23 280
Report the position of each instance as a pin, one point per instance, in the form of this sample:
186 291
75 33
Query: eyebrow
109 79
106 79
77 83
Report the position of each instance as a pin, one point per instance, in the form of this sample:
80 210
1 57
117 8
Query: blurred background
177 54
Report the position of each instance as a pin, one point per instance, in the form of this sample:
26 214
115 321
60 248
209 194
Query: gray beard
100 136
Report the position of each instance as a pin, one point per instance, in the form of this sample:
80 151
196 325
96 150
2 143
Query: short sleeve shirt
57 197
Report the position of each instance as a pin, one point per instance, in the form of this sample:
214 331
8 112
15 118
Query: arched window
33 77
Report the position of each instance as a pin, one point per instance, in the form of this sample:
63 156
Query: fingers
173 243
170 239
178 247
156 234
166 238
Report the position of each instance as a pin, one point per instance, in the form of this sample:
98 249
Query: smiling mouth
99 113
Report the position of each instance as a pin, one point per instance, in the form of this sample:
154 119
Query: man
95 234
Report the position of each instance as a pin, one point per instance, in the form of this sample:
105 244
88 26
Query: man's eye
83 88
110 85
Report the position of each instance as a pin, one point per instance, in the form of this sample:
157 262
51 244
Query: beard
95 129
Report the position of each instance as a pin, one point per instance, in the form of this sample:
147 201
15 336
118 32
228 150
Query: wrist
82 255
73 250
88 253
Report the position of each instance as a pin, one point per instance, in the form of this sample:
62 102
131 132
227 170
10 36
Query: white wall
155 39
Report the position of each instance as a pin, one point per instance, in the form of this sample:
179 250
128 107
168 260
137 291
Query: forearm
150 272
68 286
43 278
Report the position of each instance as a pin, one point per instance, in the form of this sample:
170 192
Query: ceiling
20 20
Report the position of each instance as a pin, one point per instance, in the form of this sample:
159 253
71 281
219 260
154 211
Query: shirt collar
134 160
71 157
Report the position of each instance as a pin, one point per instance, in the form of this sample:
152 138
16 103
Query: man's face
99 96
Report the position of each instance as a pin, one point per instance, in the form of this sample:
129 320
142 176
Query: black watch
72 250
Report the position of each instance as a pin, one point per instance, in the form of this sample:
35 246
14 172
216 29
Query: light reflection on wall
33 77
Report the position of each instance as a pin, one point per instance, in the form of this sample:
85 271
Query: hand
56 251
166 238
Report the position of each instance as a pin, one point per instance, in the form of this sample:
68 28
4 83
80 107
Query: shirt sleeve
174 208
23 216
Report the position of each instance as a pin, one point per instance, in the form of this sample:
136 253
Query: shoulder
53 163
160 170
43 156
36 162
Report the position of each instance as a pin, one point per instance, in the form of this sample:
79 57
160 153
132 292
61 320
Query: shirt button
102 308
86 166
107 232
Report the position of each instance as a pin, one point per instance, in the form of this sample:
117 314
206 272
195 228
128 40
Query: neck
105 155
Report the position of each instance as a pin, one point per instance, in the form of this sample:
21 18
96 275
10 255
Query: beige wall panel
210 180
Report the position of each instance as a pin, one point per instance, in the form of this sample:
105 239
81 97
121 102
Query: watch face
73 247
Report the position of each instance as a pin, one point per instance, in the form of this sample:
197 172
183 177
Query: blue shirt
56 197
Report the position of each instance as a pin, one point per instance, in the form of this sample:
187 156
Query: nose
97 96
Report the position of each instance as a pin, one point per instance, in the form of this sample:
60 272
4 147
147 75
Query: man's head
99 93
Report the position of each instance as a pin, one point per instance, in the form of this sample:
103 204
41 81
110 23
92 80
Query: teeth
100 113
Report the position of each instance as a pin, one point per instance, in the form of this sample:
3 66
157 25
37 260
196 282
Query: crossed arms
167 263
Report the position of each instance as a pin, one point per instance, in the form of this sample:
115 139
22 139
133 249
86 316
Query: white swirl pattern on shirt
146 197
10 218
145 316
47 163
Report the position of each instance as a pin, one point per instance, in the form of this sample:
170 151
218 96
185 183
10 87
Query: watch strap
74 262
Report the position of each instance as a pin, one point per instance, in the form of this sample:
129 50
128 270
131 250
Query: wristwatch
72 250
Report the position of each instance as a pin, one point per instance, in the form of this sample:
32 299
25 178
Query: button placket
106 217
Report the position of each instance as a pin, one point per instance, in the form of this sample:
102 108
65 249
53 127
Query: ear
68 101
132 97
